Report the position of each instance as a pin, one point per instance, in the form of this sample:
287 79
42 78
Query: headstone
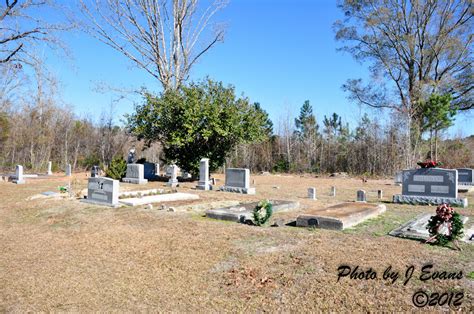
213 181
465 176
361 196
135 174
430 186
50 165
204 183
237 180
157 169
95 171
379 194
19 179
187 175
68 170
333 191
102 191
149 170
312 193
398 178
173 181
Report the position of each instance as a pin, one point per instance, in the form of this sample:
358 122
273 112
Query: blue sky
276 52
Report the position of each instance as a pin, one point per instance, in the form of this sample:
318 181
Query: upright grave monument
19 179
237 180
312 193
50 165
204 182
430 186
68 170
465 179
398 178
95 171
151 170
102 191
135 174
173 181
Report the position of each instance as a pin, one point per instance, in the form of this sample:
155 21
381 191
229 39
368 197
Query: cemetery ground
64 255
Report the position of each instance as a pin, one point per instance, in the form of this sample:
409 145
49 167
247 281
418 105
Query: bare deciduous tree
22 26
165 38
416 47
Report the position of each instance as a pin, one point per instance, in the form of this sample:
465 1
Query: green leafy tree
202 120
438 114
117 169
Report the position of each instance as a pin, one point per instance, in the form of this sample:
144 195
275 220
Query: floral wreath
446 226
429 164
262 212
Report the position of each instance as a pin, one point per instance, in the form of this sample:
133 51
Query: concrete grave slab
159 199
341 216
131 194
416 228
244 212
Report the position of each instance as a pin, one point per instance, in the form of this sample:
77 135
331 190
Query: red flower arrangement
428 164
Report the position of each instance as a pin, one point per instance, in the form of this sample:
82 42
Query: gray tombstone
95 171
50 165
103 191
135 174
68 170
19 179
173 181
237 180
430 186
379 194
333 191
204 183
465 176
312 193
398 178
361 196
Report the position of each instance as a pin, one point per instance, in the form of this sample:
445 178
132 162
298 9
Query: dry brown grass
63 255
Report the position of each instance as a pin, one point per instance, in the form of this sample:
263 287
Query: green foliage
117 169
262 212
202 120
306 125
438 114
89 161
456 231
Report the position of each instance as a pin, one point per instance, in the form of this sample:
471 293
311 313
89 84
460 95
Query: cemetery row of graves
423 186
179 235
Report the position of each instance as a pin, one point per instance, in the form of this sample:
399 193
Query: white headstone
312 193
204 183
50 165
361 196
19 175
68 170
333 191
173 181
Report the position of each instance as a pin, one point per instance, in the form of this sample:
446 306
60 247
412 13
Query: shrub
117 169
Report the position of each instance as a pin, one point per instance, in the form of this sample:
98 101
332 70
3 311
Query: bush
117 169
